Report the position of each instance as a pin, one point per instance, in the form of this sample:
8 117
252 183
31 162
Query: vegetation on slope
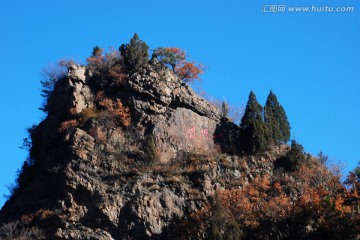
296 197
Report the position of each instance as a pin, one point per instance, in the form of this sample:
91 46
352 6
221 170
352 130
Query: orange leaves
189 71
277 207
111 110
116 72
107 104
262 201
254 203
117 110
106 66
310 199
176 58
175 51
77 118
178 53
95 61
309 196
42 214
277 187
68 124
98 134
88 113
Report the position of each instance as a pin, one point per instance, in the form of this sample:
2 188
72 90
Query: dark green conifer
293 159
253 130
296 155
97 51
150 150
276 120
224 110
135 53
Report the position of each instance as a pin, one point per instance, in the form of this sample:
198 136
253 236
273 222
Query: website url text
276 8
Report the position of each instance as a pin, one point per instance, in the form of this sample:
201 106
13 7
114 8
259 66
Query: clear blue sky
310 60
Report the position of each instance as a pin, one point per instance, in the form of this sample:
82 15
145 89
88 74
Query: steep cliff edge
93 179
141 158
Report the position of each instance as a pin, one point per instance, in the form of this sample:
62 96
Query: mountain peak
129 151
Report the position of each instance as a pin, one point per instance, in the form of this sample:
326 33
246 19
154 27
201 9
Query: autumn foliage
66 125
116 109
176 58
189 71
107 109
309 203
285 206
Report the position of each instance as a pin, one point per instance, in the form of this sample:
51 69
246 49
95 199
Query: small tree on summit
97 52
253 130
96 61
176 58
276 120
189 71
224 110
169 56
135 53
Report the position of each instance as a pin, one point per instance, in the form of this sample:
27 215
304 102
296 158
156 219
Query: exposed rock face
178 118
91 180
184 131
181 120
71 93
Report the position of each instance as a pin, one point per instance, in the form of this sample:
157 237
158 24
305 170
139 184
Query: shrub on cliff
135 54
107 69
176 58
293 159
96 61
222 224
169 56
116 110
150 150
51 75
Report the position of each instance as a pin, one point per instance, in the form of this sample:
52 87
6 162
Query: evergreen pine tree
97 51
296 156
253 130
135 53
293 159
276 120
224 110
150 150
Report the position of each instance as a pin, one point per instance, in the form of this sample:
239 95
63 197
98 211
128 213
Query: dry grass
117 110
98 134
70 124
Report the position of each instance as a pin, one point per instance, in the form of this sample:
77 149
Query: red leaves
110 110
261 200
67 125
189 71
117 110
254 203
176 58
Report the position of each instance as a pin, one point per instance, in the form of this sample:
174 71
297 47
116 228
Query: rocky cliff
90 176
101 187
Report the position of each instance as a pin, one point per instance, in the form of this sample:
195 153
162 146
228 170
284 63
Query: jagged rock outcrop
90 181
161 103
181 120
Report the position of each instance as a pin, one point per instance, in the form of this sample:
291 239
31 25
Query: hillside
129 151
